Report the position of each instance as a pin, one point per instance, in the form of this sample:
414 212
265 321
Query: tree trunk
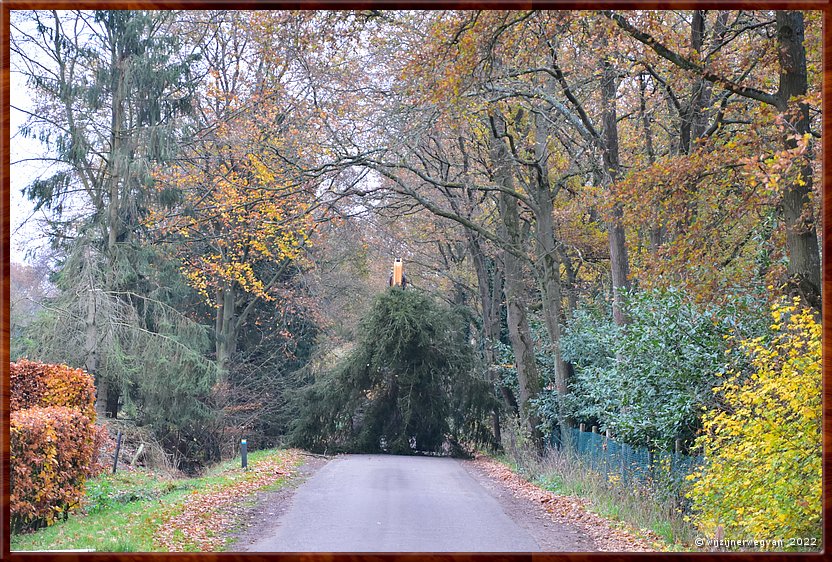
801 236
105 391
91 350
548 259
656 231
528 378
490 284
518 324
571 285
108 391
113 395
693 117
619 262
226 331
703 89
495 428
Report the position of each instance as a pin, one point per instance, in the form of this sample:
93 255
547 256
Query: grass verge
637 505
142 511
632 503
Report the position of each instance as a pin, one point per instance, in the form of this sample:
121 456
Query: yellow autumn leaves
762 477
247 215
256 223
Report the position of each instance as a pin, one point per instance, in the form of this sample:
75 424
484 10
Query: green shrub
649 380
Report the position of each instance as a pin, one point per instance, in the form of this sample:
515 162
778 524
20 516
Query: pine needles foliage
409 385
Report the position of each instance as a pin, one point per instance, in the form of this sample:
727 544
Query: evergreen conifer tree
111 93
408 385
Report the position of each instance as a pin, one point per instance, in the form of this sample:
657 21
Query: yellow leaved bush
762 472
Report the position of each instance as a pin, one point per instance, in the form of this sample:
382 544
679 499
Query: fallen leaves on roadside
570 510
207 514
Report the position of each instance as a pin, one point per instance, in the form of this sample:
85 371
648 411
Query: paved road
385 503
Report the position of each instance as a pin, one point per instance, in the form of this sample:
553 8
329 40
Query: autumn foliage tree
238 204
237 209
241 225
733 88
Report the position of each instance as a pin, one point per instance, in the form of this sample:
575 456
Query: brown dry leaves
208 514
571 511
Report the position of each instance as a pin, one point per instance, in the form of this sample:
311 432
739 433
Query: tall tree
512 233
109 89
239 213
790 100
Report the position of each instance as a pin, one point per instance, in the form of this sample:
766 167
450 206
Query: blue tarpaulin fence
605 456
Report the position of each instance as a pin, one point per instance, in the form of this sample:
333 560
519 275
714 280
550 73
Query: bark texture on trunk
490 285
655 230
619 262
522 344
801 234
547 259
226 330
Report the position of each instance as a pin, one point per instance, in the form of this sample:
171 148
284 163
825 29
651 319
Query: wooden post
583 427
118 449
593 456
607 435
136 456
678 446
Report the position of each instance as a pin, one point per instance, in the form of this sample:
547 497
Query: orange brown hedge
52 441
42 384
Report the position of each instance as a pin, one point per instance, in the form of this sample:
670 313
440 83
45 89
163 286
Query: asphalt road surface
385 503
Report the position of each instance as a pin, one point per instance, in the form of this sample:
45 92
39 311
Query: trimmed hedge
101 442
43 385
51 452
52 441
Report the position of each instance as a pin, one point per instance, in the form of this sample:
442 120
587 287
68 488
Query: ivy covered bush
52 441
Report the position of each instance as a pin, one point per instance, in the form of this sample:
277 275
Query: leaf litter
608 536
207 515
